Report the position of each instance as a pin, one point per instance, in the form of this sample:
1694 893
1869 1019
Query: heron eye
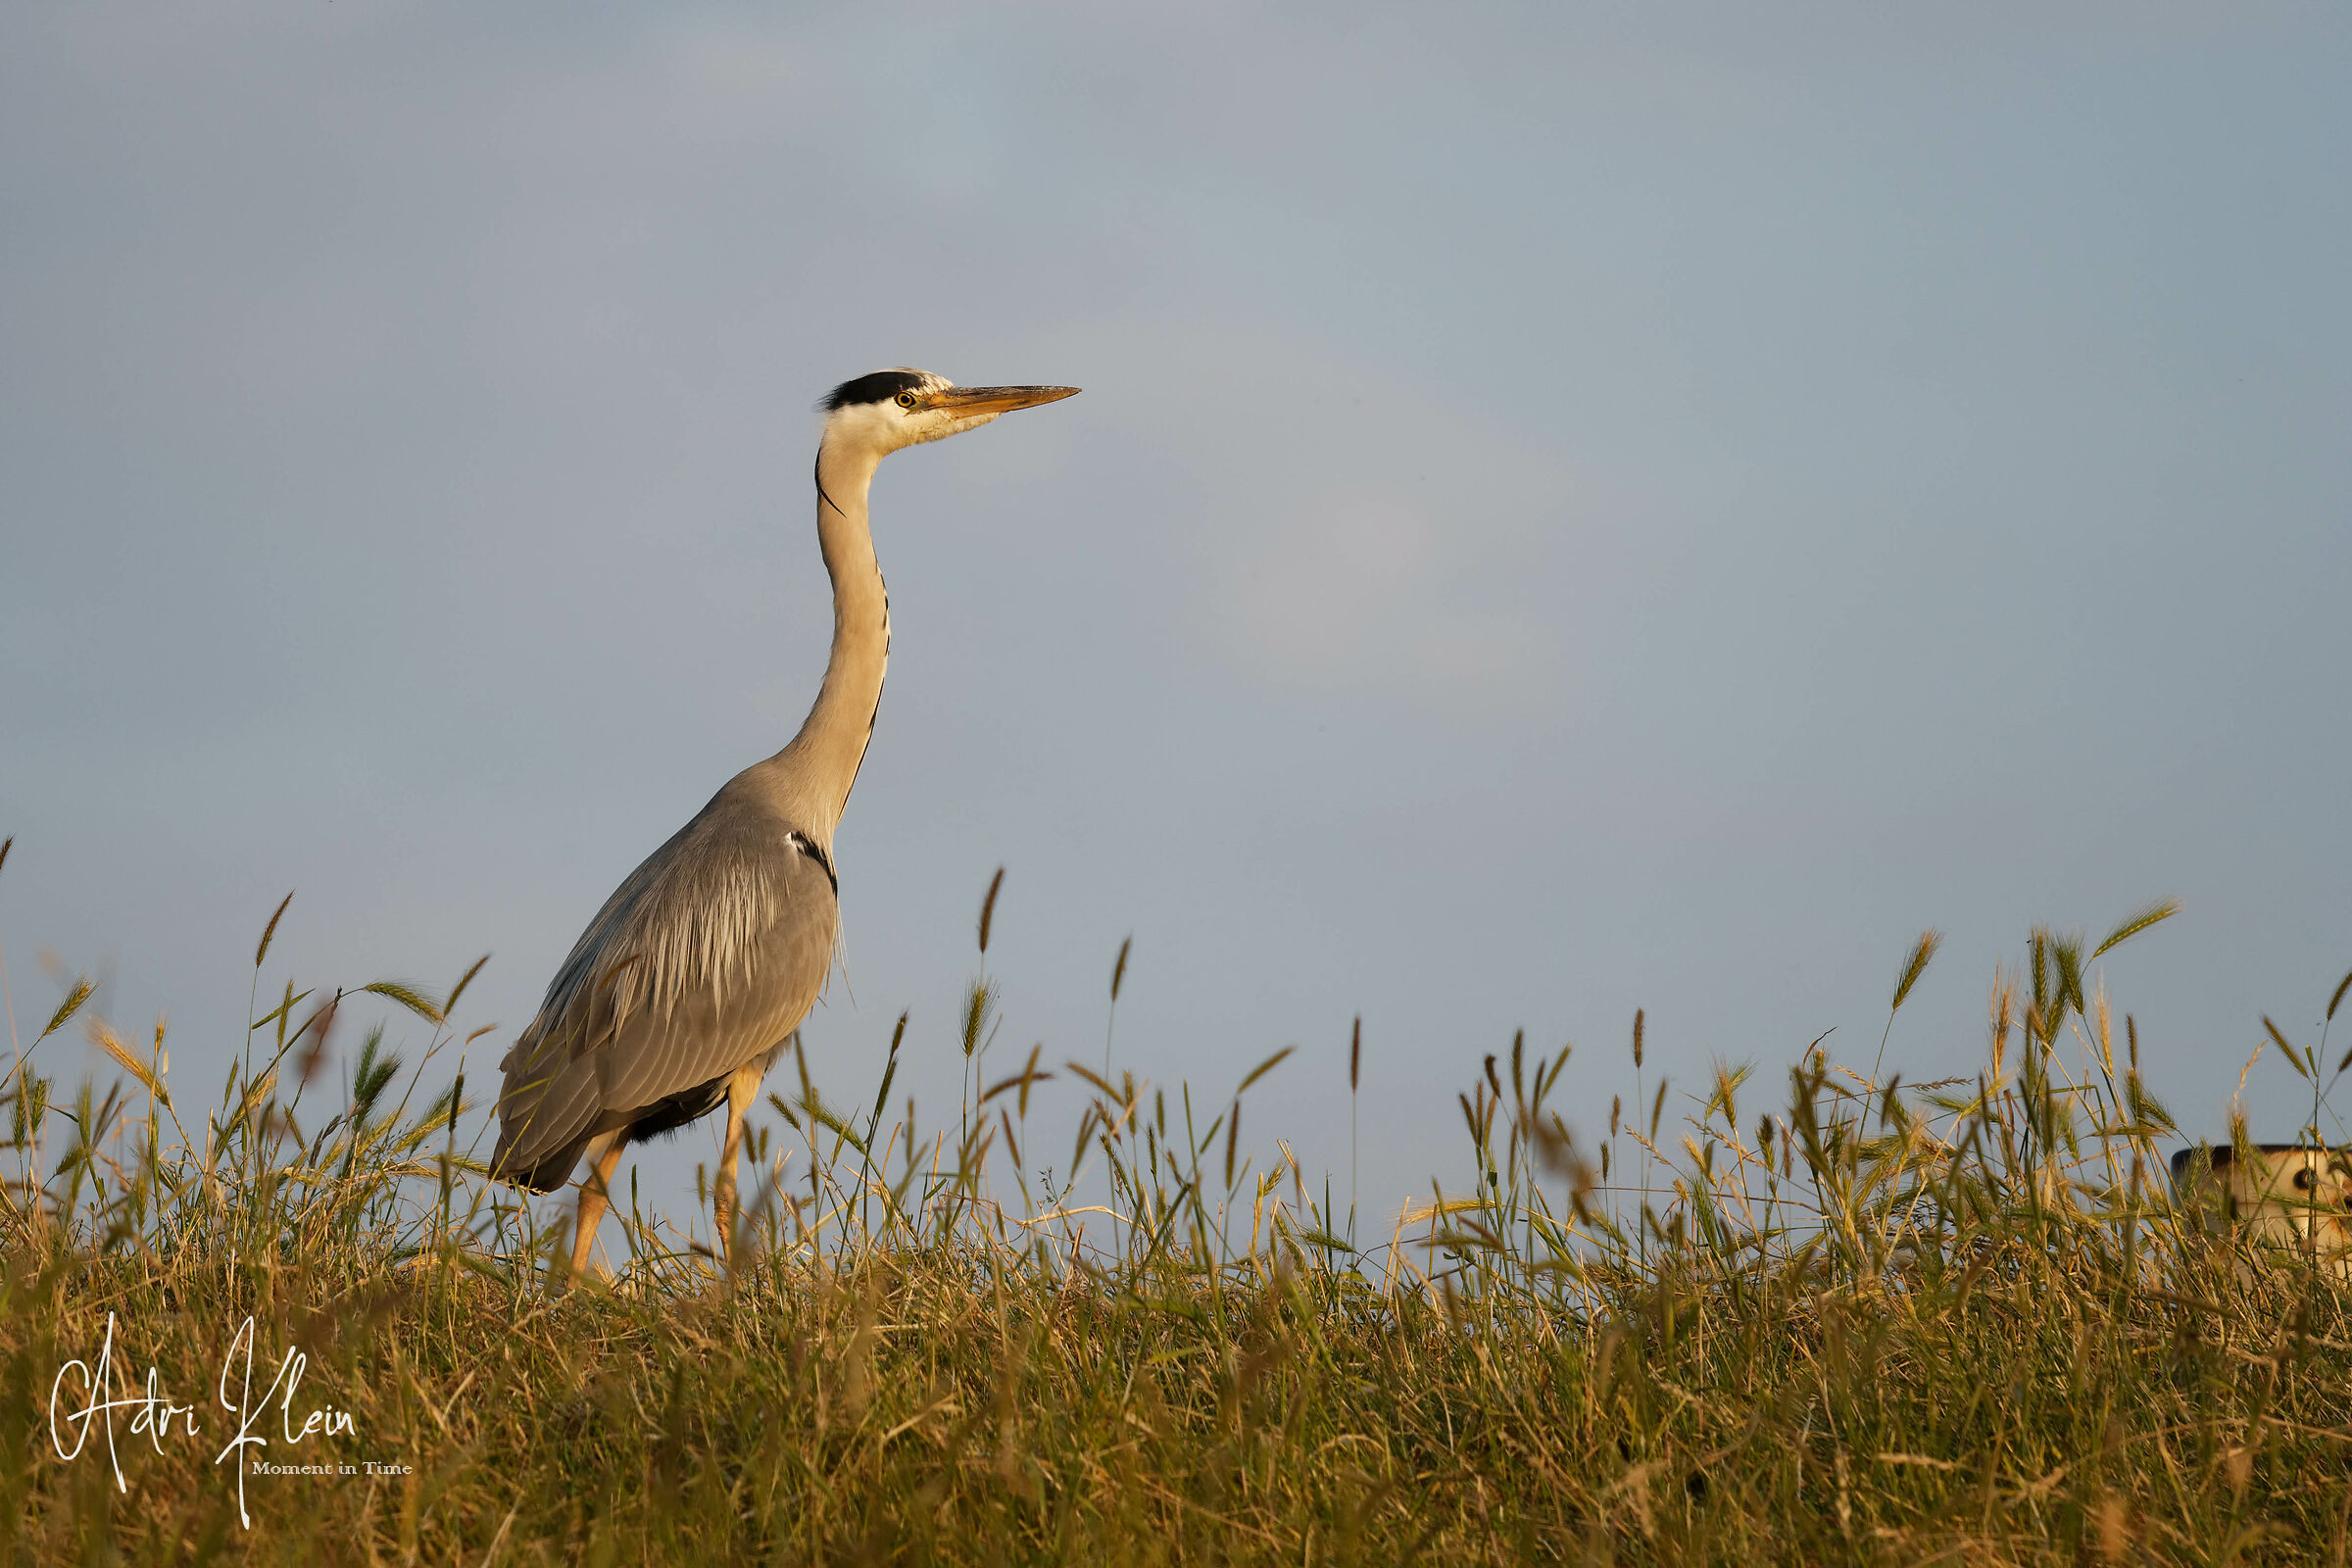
906 400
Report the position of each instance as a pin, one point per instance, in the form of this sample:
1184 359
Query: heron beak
970 402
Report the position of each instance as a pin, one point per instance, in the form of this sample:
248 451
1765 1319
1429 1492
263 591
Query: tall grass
1865 1321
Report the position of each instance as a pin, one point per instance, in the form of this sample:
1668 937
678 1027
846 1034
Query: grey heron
690 981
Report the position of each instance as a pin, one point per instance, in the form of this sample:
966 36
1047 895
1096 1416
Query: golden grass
1960 1321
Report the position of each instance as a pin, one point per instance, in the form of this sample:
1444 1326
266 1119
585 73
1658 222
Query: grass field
1850 1322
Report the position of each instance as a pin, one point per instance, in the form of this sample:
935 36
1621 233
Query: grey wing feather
704 960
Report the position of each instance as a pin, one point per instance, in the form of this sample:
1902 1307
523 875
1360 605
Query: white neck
823 758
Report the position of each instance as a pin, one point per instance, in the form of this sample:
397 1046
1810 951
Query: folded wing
705 959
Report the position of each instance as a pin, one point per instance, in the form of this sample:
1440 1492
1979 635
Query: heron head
893 408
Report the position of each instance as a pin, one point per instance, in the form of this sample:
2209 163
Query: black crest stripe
879 387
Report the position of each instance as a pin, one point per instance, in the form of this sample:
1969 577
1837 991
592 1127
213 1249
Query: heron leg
742 1088
595 1192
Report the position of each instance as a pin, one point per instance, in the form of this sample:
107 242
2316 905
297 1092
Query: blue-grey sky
1573 509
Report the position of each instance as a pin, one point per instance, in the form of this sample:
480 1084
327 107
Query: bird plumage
706 957
693 977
